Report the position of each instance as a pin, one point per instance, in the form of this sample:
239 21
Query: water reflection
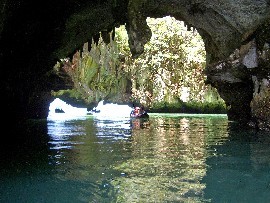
140 123
83 153
240 166
162 159
167 158
115 129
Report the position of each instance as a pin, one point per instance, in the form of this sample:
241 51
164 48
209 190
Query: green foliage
167 76
171 66
96 74
189 107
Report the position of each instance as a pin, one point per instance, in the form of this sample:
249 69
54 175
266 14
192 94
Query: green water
168 158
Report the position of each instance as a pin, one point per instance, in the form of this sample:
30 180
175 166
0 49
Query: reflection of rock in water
137 123
260 152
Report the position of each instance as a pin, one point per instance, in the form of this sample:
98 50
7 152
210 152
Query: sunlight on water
101 111
111 111
111 121
67 111
60 132
109 130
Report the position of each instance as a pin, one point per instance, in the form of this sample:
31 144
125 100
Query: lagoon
166 158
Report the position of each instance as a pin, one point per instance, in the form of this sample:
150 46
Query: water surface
168 158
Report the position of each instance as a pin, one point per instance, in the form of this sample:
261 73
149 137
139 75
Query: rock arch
34 35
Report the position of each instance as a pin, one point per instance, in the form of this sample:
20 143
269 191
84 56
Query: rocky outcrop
33 36
243 82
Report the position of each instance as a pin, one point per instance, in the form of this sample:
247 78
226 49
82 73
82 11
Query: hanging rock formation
34 35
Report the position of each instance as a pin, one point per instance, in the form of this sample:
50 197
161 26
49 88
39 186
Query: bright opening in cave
170 69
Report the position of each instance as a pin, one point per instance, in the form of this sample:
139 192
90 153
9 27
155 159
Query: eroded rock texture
34 35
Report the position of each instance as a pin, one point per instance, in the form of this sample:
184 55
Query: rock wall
34 35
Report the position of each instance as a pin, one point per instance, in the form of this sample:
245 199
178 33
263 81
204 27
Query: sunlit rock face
34 36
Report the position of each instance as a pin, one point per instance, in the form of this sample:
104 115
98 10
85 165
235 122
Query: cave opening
169 71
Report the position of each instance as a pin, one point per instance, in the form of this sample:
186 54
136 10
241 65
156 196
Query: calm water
168 158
